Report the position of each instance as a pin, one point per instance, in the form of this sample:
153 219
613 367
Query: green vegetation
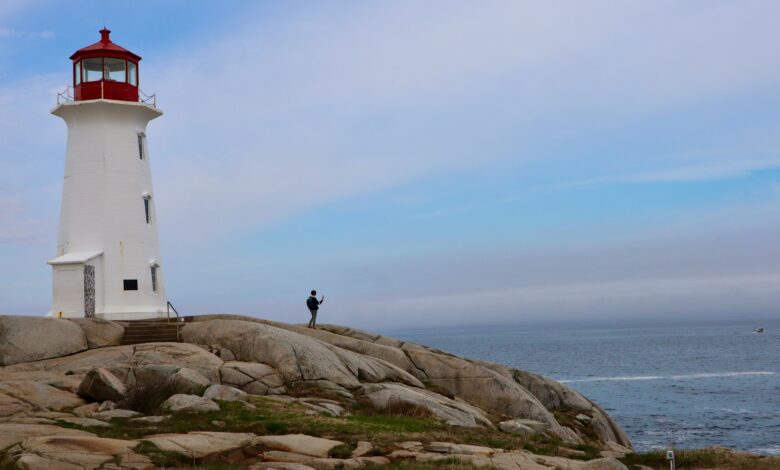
162 458
445 464
709 458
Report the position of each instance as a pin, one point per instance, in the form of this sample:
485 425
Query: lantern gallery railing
151 100
66 96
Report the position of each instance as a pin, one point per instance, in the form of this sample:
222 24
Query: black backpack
312 303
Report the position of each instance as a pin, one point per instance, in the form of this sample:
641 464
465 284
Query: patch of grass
709 458
448 464
366 424
342 451
591 452
162 458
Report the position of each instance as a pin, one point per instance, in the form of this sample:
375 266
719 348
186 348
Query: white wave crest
703 375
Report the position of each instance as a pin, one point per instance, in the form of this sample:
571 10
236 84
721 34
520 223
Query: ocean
682 386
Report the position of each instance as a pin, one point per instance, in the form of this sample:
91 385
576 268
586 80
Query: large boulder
100 384
298 444
187 381
252 377
224 393
296 357
62 451
478 385
197 445
27 339
391 397
190 403
100 333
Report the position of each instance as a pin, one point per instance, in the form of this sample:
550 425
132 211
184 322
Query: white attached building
108 253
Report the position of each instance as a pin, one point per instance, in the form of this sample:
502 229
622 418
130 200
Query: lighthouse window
114 70
154 278
141 146
132 73
131 284
148 210
77 72
93 70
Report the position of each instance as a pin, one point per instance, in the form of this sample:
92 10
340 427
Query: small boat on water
758 330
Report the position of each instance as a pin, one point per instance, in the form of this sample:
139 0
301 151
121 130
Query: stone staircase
151 331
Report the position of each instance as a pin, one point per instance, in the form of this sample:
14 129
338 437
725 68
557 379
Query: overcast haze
425 163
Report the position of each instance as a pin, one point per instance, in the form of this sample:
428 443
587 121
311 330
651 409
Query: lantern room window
114 70
93 70
132 73
77 72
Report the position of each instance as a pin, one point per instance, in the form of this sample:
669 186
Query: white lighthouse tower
108 253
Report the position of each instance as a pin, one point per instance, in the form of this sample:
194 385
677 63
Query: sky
425 164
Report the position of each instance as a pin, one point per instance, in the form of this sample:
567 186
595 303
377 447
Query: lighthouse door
69 291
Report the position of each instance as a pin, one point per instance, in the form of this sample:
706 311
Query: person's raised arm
323 299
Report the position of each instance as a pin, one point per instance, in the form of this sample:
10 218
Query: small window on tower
154 278
131 284
141 145
77 72
148 209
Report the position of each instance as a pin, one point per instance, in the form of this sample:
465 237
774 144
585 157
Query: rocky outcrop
253 377
100 333
329 374
296 357
27 339
388 396
197 445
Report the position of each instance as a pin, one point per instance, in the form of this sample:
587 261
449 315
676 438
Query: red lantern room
105 70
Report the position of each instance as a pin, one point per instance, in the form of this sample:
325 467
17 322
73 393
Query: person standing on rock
314 305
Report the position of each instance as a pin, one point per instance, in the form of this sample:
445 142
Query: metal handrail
147 99
66 95
178 320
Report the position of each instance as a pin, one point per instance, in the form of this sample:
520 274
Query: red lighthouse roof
105 48
105 71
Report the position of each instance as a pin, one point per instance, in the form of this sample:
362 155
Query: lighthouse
108 253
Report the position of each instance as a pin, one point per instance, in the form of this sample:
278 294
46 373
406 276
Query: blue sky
425 163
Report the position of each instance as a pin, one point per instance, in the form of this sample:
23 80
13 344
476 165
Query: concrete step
151 331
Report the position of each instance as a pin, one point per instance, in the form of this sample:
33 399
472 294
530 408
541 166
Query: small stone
86 409
150 419
115 413
402 455
218 423
362 449
81 421
107 405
